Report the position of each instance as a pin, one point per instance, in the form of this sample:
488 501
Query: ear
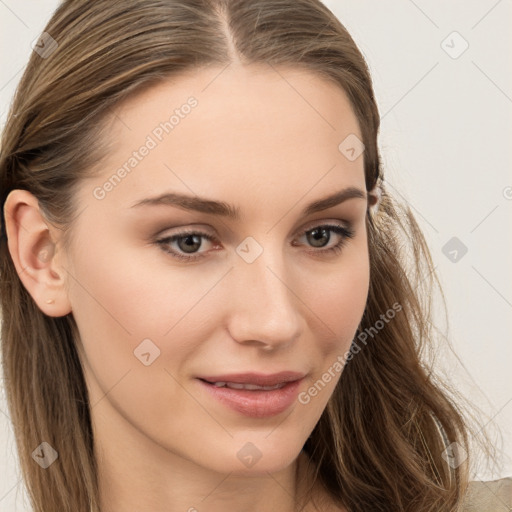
32 243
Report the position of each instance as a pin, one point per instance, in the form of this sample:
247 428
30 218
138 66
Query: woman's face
264 292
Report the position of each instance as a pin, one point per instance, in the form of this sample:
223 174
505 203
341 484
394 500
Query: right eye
185 240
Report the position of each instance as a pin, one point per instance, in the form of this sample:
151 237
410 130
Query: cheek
338 301
134 291
338 297
342 299
338 306
136 323
128 305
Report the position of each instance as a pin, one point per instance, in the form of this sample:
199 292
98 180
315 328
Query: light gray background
446 146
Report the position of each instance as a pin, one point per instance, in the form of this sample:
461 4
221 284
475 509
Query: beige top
492 496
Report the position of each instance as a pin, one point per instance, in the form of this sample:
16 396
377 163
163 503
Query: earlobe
32 244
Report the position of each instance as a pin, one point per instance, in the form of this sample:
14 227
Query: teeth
252 387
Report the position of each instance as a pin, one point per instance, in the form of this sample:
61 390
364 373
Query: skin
263 141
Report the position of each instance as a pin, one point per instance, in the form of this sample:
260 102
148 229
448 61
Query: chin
268 451
249 452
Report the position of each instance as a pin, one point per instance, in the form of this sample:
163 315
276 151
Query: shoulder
490 496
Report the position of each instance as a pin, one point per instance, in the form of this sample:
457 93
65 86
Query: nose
264 311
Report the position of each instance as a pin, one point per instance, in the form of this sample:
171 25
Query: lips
256 379
254 394
255 403
249 387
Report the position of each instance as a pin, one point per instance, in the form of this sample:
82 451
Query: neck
135 473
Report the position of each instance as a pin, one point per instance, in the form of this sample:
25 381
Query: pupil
192 246
317 235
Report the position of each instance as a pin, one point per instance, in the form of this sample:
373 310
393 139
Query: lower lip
256 404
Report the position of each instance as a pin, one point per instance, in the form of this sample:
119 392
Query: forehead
250 128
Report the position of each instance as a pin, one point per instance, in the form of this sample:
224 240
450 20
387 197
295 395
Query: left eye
189 242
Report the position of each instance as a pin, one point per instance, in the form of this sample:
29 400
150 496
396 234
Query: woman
206 303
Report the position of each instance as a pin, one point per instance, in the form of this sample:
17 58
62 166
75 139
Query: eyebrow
220 208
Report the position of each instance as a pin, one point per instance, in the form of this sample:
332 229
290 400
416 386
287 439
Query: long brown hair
380 441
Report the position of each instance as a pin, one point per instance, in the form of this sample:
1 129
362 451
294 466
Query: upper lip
259 379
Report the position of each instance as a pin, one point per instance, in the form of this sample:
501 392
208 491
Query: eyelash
345 233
